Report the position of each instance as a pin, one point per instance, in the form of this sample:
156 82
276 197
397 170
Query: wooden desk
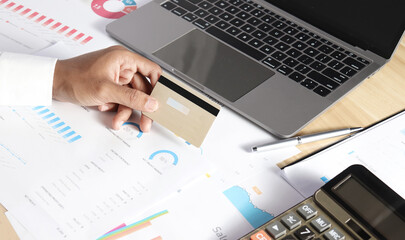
376 98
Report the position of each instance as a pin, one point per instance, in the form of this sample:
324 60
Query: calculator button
307 211
334 234
260 235
320 224
289 237
276 229
291 221
304 233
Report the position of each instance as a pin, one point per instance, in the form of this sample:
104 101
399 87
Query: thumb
133 98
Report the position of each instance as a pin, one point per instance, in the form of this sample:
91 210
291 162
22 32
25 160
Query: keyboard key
260 235
276 33
290 31
338 55
236 2
302 69
284 70
234 42
258 34
338 77
254 21
267 49
190 17
293 53
363 60
270 40
325 49
276 229
304 233
215 11
237 22
271 62
245 37
186 5
311 52
246 7
255 43
195 1
322 91
201 23
247 28
320 224
279 55
302 37
307 211
314 43
264 27
168 5
226 16
309 84
300 45
348 71
232 9
291 220
201 13
179 11
334 234
268 19
317 66
296 77
278 24
257 13
243 15
212 19
221 4
354 63
319 78
305 59
323 58
205 5
222 25
291 62
287 39
233 30
335 64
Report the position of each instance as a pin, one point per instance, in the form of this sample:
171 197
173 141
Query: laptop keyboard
306 58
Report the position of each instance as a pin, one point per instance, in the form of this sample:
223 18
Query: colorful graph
123 229
127 128
57 124
163 157
46 22
107 8
240 199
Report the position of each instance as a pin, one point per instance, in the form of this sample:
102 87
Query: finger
133 98
145 123
123 114
141 83
107 107
142 65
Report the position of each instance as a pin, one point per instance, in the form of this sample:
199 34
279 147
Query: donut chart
100 7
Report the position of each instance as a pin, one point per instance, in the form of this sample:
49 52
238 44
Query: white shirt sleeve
26 79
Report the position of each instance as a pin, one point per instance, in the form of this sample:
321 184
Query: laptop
278 63
353 205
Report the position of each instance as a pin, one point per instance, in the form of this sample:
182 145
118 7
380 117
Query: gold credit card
183 110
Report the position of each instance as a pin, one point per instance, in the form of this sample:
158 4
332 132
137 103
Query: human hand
109 78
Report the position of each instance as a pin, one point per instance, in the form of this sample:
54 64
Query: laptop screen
375 25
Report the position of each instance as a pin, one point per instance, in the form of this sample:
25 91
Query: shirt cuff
26 79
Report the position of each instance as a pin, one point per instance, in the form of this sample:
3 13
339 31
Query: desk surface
376 98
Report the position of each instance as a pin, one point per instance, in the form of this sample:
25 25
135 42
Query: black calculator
353 205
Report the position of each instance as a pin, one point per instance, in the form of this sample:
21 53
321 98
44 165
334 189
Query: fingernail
103 108
151 105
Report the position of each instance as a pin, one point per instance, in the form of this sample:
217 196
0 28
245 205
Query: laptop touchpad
214 65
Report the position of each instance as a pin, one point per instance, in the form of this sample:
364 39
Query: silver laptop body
280 99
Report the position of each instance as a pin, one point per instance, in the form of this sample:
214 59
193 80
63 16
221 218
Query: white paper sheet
381 149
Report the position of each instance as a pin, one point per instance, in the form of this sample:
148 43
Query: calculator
353 205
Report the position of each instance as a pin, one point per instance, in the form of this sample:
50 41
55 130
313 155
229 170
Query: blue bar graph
56 123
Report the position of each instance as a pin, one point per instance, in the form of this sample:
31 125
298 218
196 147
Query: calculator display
371 208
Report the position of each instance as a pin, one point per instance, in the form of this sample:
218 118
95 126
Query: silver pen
305 139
